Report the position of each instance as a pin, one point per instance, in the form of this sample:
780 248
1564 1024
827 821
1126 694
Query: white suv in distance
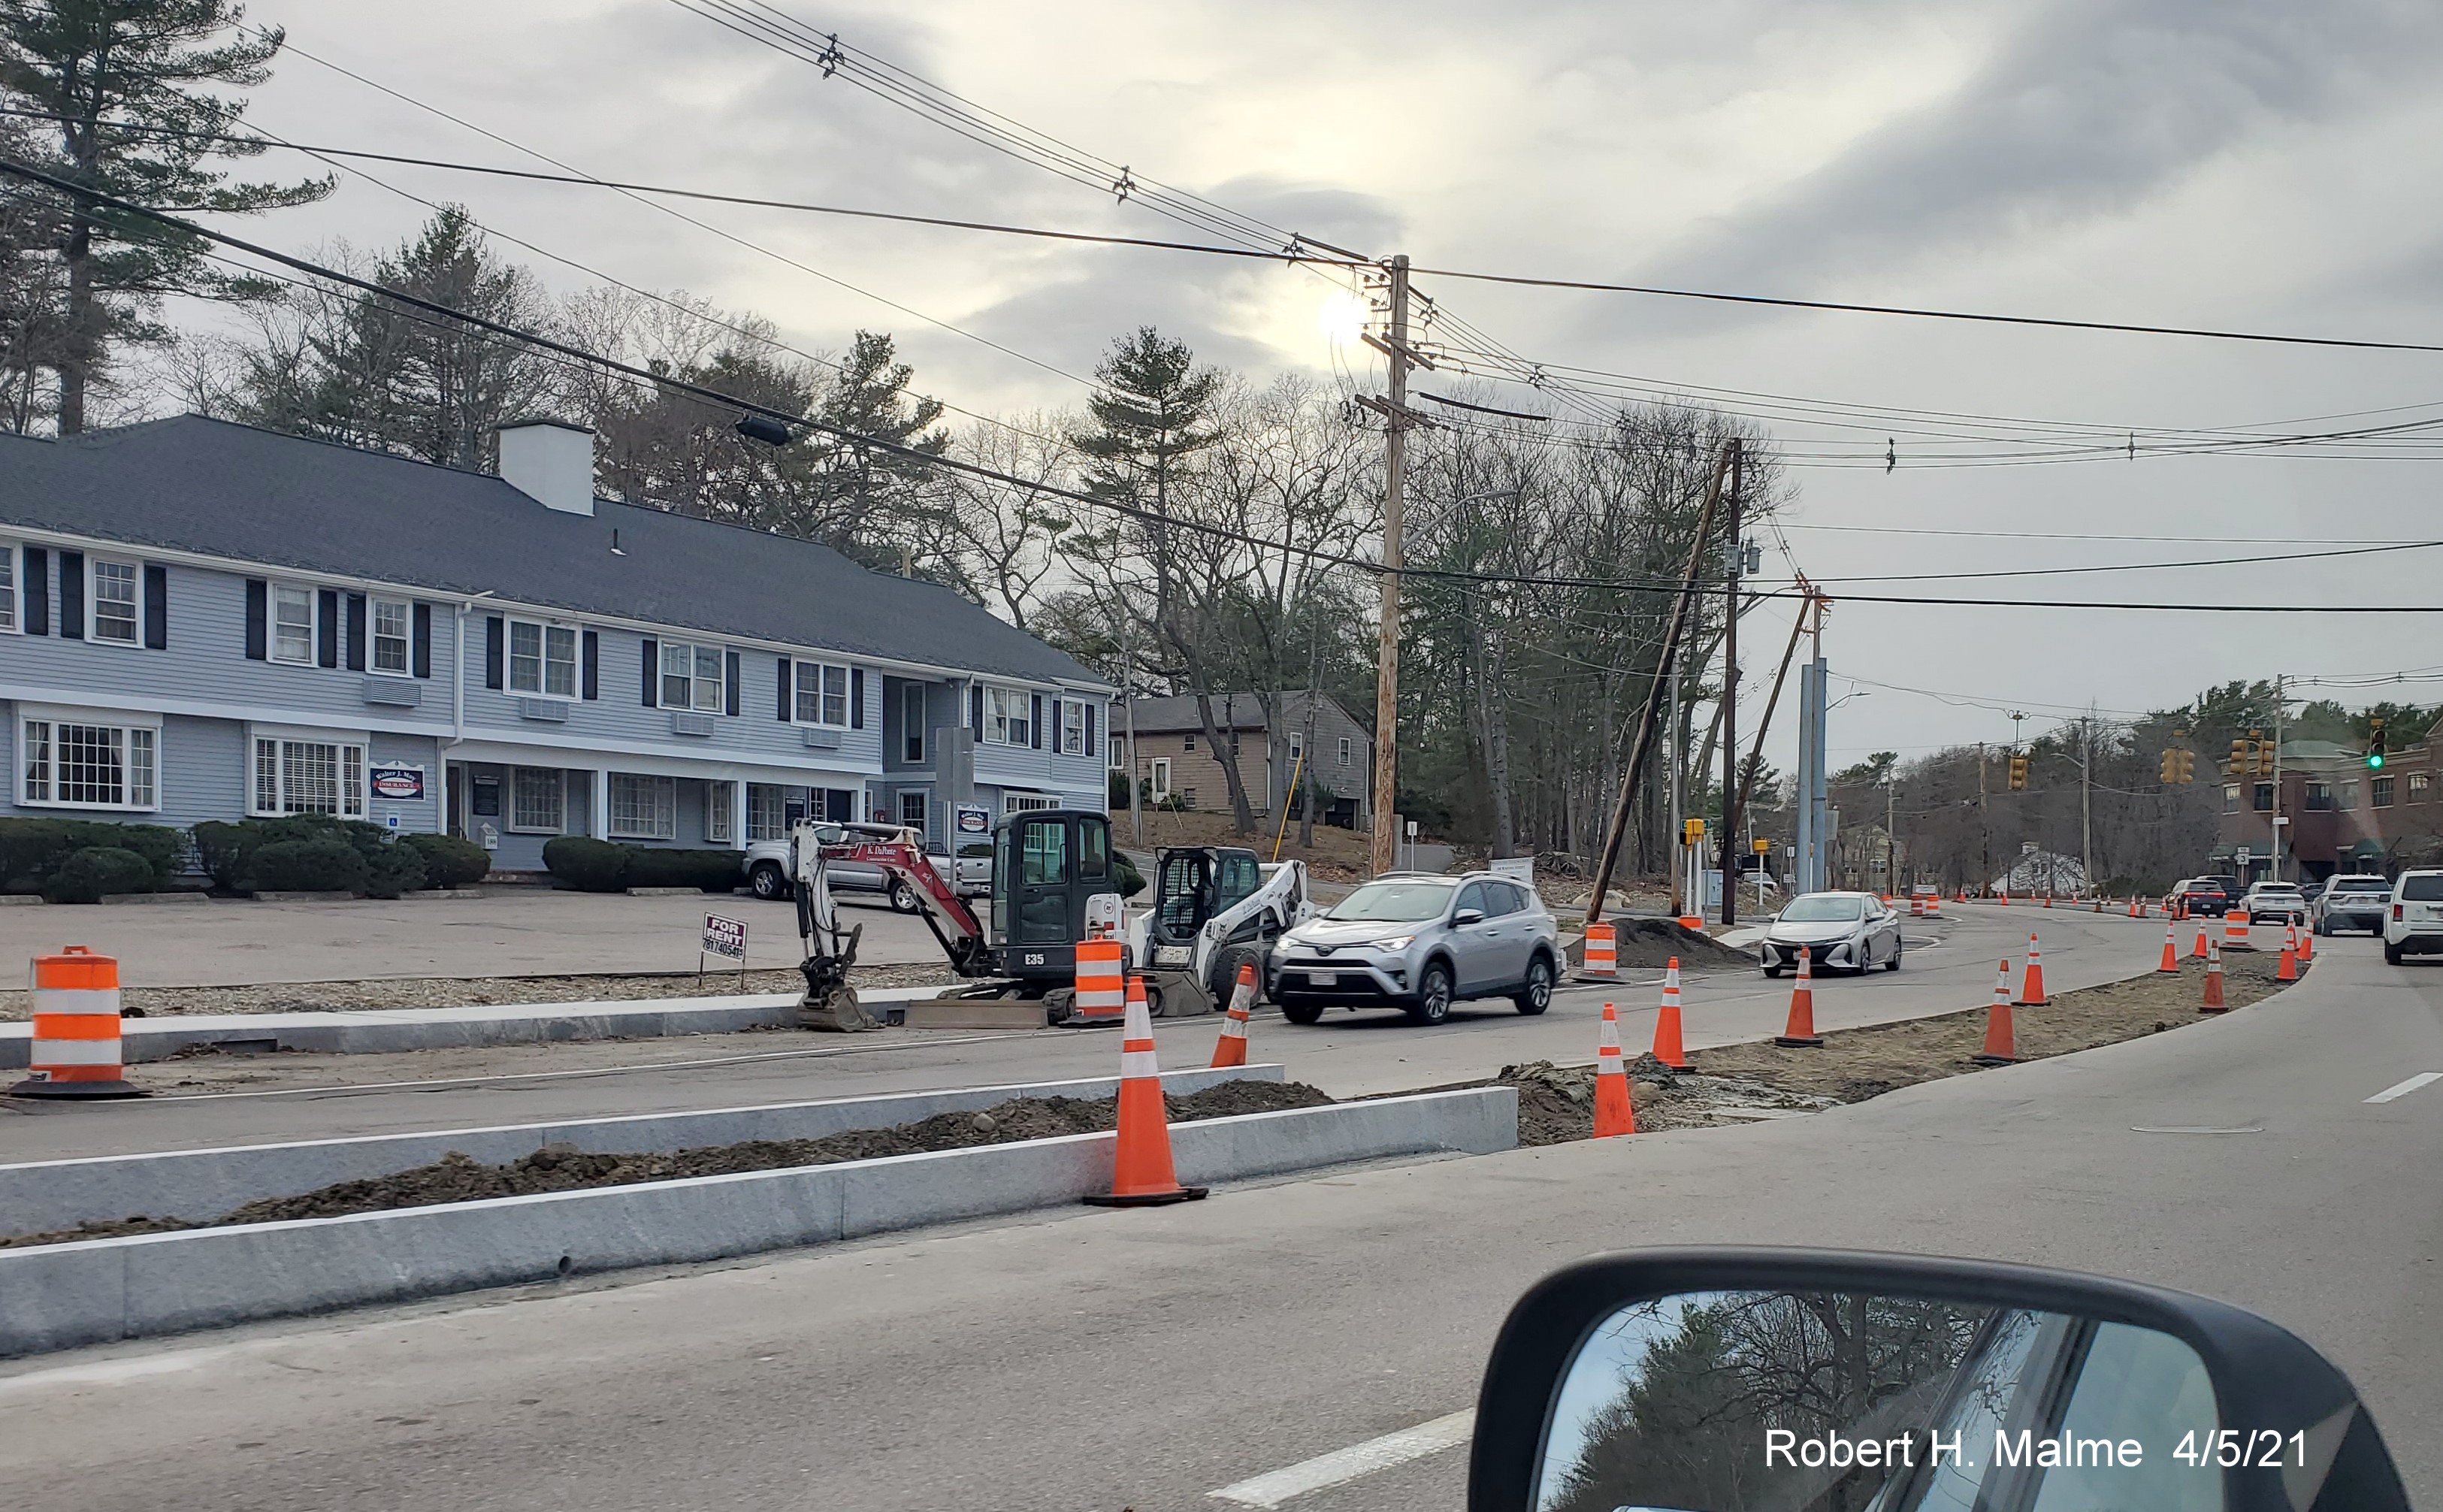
2413 924
2354 902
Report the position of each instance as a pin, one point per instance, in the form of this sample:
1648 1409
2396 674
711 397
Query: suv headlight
1397 942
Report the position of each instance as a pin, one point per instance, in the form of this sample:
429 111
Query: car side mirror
1739 1379
1468 916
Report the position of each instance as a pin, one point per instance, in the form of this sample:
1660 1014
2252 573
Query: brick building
2341 815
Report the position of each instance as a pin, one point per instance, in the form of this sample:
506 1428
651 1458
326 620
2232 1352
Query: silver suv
1420 943
2357 901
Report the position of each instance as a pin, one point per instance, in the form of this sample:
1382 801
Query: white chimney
550 461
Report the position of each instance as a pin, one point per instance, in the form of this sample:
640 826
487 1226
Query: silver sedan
1850 930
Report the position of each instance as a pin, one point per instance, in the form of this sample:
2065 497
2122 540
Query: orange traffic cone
2212 1002
2201 952
2308 946
2048 900
2171 949
2001 1044
2288 971
1231 1049
1614 1112
1800 1031
2031 988
1142 1176
1666 1028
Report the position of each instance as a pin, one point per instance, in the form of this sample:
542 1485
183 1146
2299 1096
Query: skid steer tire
1226 962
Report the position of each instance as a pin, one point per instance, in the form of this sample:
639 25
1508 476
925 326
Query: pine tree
122 77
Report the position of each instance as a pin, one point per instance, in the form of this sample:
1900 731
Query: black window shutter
421 658
258 619
652 671
72 595
857 698
38 591
589 647
355 632
326 627
730 678
975 710
1052 734
157 607
1035 719
1090 748
786 692
494 651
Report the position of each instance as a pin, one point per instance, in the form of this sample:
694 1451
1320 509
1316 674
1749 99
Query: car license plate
1173 955
1323 979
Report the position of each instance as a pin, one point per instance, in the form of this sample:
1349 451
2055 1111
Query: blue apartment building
204 620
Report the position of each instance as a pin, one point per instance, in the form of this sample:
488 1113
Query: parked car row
766 865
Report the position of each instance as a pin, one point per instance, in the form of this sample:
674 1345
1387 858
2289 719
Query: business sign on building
974 821
397 783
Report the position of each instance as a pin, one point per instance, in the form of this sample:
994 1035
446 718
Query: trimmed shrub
32 849
85 875
587 865
391 868
324 864
222 848
1115 792
450 860
713 871
1125 874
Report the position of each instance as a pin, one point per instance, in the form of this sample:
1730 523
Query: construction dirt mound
1652 943
565 1168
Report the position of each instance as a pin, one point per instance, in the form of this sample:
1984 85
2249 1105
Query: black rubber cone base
1996 1060
77 1091
1799 1042
1150 1199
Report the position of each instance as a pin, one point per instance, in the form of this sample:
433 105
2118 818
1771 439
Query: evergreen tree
124 78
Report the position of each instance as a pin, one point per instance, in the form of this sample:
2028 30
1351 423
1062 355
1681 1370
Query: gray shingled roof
210 487
1163 716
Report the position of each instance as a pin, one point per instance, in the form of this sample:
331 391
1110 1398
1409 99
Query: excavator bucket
837 1010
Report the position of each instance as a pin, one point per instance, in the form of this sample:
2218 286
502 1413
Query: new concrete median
60 1296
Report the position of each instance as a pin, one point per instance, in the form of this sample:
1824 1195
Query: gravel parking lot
507 932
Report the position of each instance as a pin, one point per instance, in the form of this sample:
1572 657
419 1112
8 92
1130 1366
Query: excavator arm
830 1002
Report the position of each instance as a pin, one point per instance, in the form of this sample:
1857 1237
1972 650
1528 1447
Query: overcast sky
2253 164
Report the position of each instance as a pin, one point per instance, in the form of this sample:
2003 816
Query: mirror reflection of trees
1701 1380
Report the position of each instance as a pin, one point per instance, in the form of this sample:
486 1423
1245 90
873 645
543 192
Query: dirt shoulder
1743 1083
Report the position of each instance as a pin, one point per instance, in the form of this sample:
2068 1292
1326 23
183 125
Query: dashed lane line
1374 1456
2404 1088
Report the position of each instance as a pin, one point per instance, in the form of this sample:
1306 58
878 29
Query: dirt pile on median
1650 943
456 1177
1556 1104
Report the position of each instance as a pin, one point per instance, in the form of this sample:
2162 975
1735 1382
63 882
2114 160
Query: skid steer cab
1214 908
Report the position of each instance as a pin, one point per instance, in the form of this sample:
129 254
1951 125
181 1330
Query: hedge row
602 866
80 861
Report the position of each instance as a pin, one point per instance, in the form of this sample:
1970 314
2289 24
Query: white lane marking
2405 1088
1374 1455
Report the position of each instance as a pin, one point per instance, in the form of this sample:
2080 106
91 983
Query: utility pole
1129 712
2279 699
1734 800
2086 805
2015 718
1679 738
1984 822
1891 831
1387 675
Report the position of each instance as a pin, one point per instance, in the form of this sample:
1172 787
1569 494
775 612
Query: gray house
1175 756
202 620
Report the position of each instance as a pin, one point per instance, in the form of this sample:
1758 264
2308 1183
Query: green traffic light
2374 761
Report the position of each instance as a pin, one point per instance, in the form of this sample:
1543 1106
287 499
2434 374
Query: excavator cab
1046 863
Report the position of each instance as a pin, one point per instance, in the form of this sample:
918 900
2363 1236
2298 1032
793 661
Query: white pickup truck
766 865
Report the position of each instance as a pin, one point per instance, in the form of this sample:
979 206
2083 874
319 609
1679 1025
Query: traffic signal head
2242 757
1692 832
2188 772
2168 769
2374 761
2018 773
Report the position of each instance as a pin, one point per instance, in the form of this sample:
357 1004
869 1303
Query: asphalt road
1146 1358
1948 965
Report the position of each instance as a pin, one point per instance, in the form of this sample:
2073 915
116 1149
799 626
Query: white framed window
912 717
1161 782
306 774
394 622
1345 743
1297 745
644 808
1113 749
823 694
912 809
768 811
719 798
70 760
114 601
1026 802
538 801
9 620
542 659
1009 714
1073 728
693 678
292 625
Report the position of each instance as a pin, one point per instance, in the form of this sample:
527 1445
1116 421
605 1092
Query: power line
747 406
